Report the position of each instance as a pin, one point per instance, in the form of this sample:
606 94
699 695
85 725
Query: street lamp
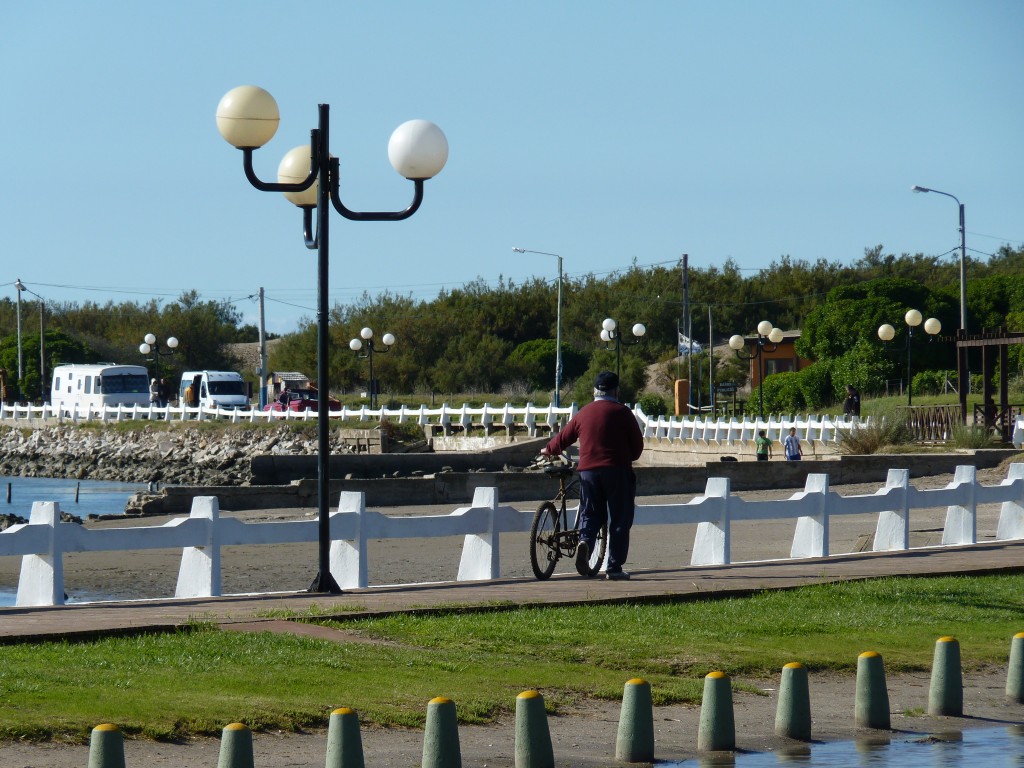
150 346
913 319
963 254
558 324
610 333
768 338
247 118
365 347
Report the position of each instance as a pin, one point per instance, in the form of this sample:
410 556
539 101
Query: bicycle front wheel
597 555
544 532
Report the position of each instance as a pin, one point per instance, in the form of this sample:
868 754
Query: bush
932 382
815 383
974 436
886 430
782 394
652 404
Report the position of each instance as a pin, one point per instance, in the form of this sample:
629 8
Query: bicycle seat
559 470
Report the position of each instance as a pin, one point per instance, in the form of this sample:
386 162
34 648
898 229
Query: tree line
500 339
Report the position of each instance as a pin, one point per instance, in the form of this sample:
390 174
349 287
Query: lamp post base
324 585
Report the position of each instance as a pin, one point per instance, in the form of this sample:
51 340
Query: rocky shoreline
162 455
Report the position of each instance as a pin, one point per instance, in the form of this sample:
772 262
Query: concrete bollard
793 713
717 729
344 742
106 747
1015 672
946 692
441 737
533 739
635 740
235 747
871 706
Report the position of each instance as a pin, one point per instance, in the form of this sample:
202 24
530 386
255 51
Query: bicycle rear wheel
544 532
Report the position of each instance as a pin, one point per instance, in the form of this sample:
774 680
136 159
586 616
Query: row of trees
500 339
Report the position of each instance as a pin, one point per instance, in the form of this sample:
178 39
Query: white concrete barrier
42 542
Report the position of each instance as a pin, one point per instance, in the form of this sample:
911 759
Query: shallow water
982 747
98 497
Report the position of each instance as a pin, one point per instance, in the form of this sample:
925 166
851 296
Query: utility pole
263 356
687 332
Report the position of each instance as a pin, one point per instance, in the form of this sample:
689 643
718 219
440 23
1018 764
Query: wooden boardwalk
693 583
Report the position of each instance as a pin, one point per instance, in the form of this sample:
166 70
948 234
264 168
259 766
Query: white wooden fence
43 541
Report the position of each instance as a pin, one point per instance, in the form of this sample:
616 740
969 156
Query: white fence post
961 519
892 531
711 544
1011 513
199 573
348 558
42 574
811 536
480 551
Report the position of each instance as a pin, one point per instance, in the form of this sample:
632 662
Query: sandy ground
585 738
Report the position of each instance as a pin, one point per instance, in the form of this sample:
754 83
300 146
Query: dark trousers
608 495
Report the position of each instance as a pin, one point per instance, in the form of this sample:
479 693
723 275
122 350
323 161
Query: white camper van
87 388
214 389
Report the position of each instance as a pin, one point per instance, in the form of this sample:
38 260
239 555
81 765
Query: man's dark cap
606 381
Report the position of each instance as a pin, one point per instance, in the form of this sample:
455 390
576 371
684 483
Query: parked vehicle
84 388
300 400
214 389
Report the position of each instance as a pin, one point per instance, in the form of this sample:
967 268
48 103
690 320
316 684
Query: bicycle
551 536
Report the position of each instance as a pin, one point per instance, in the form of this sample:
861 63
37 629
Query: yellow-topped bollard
106 747
441 747
717 729
793 713
533 739
344 741
634 742
1015 672
235 747
871 705
946 691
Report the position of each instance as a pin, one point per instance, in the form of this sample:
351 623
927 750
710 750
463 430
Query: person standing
763 446
851 406
792 446
154 392
610 441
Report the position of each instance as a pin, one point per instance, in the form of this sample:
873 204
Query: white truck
214 389
88 388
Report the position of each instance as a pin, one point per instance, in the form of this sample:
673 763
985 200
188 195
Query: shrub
932 382
652 404
974 436
886 430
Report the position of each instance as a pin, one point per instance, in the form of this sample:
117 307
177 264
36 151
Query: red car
300 400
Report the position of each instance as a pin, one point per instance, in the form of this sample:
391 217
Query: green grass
197 680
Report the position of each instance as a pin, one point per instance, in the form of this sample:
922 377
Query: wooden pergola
994 348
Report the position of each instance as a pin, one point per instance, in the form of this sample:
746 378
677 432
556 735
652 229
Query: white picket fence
42 542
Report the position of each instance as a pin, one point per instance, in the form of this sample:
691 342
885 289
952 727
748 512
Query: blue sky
606 132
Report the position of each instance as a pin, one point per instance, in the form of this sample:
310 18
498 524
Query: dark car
300 400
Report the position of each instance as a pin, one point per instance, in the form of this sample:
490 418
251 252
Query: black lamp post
309 177
913 319
612 338
365 348
150 346
768 338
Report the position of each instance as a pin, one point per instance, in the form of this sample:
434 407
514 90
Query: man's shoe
583 559
617 576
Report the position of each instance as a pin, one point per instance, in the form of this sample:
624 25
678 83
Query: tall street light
558 324
309 177
364 347
610 333
768 338
19 286
150 346
913 319
963 254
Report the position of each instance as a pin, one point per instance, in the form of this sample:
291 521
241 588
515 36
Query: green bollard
793 714
235 747
717 729
635 740
533 739
946 692
106 747
1015 672
344 742
441 736
871 706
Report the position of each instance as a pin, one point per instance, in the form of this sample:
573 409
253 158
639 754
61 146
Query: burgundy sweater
608 433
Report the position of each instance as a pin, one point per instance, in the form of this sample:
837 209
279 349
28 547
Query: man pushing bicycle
610 441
